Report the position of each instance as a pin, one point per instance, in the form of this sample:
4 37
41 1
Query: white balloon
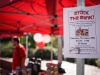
46 38
38 37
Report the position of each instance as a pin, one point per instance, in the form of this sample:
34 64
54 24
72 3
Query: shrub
98 62
30 52
6 50
44 54
70 60
91 62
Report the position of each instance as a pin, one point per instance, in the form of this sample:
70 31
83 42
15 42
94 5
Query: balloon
46 38
40 45
38 37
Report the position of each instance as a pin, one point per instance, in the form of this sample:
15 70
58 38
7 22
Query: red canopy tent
9 34
43 16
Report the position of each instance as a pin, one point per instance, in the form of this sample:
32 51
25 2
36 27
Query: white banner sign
82 32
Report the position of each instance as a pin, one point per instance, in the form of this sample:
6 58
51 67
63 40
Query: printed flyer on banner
81 27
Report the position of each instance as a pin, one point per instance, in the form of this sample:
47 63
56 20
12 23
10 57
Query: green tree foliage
23 40
6 49
31 42
98 62
55 43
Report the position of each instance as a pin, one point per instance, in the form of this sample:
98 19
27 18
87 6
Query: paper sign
81 32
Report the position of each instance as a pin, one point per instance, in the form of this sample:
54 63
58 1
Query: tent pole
59 38
80 61
26 46
0 51
51 48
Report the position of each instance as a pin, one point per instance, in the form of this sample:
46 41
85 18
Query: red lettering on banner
74 18
87 17
81 12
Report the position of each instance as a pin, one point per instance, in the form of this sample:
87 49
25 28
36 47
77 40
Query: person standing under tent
19 54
